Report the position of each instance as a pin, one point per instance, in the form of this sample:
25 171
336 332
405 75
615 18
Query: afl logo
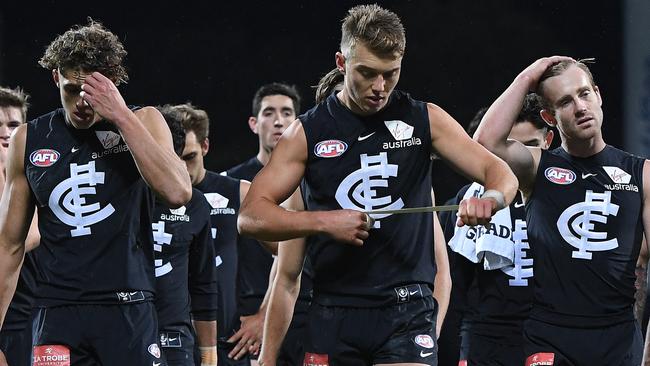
560 175
44 157
330 148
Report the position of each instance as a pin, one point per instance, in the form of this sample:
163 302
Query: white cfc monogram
160 238
358 190
577 222
68 199
523 267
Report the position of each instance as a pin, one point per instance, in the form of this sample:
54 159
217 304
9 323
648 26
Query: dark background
460 54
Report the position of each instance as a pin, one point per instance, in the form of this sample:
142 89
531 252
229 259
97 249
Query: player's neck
348 102
584 148
264 155
200 177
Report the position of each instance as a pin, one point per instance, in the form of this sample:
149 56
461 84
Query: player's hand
3 360
476 211
348 226
104 98
533 72
248 338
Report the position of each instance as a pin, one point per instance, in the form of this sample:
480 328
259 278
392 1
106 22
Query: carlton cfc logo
330 148
560 175
44 157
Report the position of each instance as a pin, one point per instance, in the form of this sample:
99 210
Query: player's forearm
206 332
442 294
499 177
264 220
500 117
11 256
278 319
163 171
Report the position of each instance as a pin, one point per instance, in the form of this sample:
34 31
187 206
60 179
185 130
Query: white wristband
497 196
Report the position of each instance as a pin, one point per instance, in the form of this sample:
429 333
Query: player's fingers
362 234
242 352
370 222
461 214
236 337
236 349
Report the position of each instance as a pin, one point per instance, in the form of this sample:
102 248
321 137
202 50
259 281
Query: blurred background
460 55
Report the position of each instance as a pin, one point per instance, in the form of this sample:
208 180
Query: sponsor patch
424 340
330 148
402 294
127 297
316 359
154 350
178 211
560 175
108 138
618 175
170 340
216 200
44 157
51 355
399 130
540 359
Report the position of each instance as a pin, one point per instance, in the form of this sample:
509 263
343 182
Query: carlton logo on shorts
424 340
316 359
330 148
540 359
154 350
43 158
560 175
51 355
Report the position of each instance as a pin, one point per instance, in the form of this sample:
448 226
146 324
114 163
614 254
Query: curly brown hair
87 48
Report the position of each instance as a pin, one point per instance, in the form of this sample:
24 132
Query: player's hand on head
534 72
103 96
348 226
475 211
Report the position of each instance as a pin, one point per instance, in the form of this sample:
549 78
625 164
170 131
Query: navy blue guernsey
585 230
254 261
222 193
506 294
184 261
382 161
20 308
94 214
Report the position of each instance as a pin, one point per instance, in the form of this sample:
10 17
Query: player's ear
548 138
252 123
340 62
205 146
548 117
55 77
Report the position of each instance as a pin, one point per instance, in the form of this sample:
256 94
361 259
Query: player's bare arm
467 156
16 212
646 232
148 138
442 285
263 218
286 286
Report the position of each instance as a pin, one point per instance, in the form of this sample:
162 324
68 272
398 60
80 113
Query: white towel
494 246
